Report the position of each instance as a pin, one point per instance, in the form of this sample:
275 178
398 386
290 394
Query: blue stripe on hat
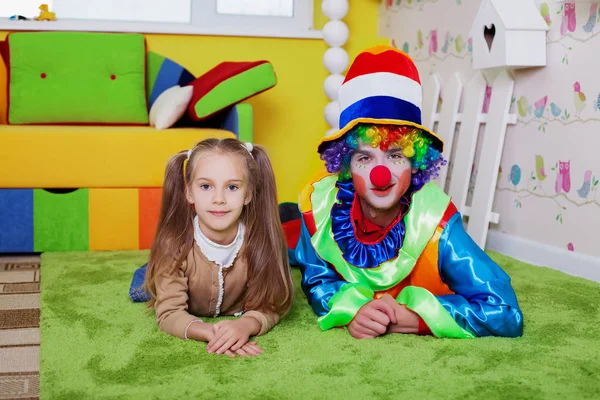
381 107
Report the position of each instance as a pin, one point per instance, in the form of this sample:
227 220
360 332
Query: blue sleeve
484 301
319 280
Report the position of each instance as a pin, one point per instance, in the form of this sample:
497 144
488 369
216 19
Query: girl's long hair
269 286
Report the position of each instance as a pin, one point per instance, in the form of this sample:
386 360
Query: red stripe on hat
389 61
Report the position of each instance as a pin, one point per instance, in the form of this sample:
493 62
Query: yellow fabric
114 219
356 121
91 156
306 191
383 48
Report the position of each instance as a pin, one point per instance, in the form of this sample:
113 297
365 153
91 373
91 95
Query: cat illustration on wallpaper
563 177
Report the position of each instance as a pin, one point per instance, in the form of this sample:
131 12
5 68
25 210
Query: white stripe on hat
380 84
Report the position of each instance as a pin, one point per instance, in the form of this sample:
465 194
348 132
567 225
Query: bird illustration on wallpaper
591 22
579 98
597 103
584 190
545 10
563 177
540 171
555 110
433 42
459 43
420 43
523 106
405 46
515 175
540 106
446 43
569 20
390 3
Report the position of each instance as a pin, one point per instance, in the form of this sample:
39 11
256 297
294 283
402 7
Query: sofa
81 169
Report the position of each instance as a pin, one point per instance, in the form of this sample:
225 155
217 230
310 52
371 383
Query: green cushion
227 84
77 77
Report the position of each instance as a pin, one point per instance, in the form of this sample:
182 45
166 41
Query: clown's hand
406 320
372 320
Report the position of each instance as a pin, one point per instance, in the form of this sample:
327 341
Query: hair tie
248 146
185 162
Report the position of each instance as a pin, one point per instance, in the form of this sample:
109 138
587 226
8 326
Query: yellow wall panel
288 119
114 219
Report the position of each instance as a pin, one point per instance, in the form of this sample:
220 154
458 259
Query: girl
219 248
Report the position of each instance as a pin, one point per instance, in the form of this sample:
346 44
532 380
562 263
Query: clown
382 249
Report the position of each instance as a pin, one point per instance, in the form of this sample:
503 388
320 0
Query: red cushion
227 84
292 232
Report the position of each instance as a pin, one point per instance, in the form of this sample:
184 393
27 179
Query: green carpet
96 343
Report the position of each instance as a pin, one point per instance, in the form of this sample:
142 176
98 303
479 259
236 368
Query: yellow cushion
91 156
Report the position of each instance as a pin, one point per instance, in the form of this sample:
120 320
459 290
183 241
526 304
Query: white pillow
170 106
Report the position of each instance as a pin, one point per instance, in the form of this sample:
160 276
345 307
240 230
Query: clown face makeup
380 177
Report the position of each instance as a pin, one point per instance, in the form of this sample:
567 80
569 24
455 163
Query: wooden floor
19 327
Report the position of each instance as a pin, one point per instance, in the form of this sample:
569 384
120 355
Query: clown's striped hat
382 87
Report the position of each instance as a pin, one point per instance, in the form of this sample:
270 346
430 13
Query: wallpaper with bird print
549 174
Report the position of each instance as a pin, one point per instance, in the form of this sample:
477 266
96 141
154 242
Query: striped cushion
164 73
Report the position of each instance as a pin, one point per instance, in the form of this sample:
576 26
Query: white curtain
124 10
275 8
27 8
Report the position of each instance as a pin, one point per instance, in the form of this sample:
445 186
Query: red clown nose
380 176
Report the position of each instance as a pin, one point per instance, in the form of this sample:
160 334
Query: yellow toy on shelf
45 15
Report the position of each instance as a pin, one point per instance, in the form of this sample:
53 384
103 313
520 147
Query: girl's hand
249 350
231 335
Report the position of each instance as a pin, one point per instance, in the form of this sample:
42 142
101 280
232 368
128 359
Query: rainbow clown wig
415 145
380 104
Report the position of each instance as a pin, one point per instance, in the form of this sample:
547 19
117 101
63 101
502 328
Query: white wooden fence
479 212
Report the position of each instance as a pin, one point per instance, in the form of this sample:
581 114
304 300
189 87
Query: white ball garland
335 59
335 33
335 9
332 114
332 86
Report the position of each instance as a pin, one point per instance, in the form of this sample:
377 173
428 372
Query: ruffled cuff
435 316
345 304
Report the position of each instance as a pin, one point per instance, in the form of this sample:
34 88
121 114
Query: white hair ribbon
249 147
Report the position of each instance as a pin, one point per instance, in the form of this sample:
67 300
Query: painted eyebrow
394 150
368 153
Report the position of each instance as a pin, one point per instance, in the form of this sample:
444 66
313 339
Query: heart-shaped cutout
489 34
